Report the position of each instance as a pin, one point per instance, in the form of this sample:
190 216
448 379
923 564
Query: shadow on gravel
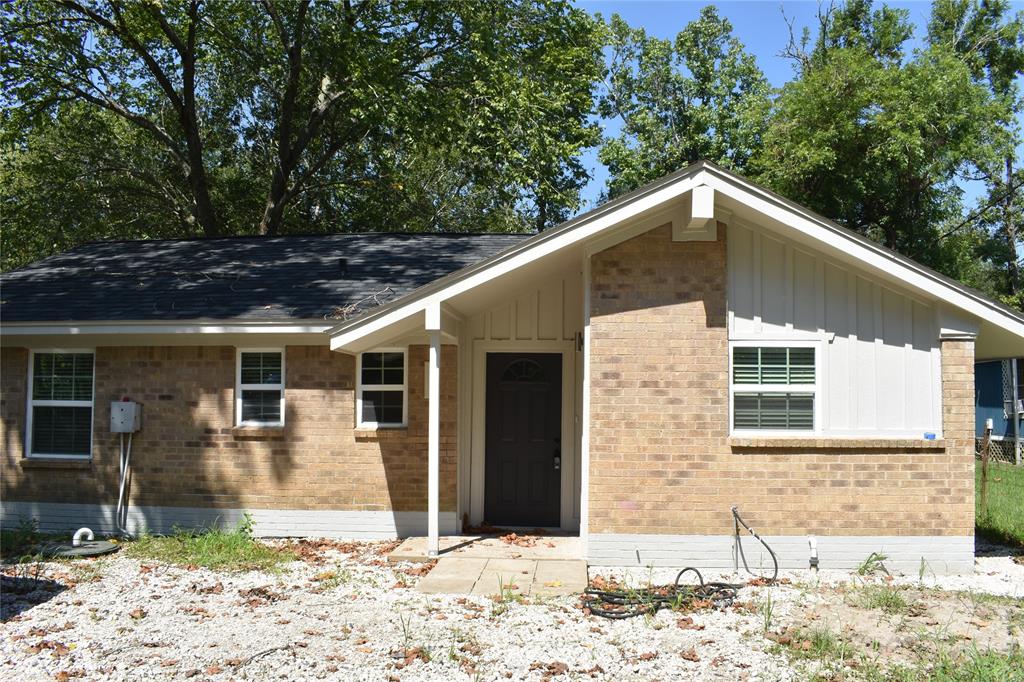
989 548
18 595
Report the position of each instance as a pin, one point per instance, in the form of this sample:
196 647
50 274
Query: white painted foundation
942 554
356 525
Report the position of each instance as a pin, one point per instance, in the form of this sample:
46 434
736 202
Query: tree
875 137
699 97
305 109
990 41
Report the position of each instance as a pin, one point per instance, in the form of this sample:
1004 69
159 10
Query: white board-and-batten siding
879 357
551 311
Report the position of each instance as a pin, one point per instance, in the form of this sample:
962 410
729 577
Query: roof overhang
717 191
166 333
571 235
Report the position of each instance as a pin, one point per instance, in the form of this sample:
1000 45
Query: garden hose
627 603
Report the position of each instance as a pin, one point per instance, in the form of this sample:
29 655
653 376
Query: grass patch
819 644
883 597
972 666
981 666
1003 520
217 549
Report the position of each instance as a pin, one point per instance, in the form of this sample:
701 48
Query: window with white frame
259 394
380 390
60 404
774 388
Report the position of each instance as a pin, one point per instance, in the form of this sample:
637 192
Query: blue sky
760 25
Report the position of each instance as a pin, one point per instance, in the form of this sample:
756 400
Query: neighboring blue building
999 393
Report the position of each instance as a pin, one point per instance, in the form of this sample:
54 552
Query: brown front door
523 439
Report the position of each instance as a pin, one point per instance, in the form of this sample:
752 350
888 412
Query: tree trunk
273 211
1010 227
198 180
202 207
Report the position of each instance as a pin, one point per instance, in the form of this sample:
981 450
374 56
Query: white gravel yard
349 615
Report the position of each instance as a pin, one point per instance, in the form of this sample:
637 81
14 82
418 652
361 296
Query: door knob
558 458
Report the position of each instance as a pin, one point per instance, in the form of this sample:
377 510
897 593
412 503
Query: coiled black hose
620 604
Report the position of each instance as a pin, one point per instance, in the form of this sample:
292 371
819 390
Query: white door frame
479 423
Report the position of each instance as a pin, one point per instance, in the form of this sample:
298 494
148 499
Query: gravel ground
352 616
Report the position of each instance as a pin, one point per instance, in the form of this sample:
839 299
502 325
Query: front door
523 439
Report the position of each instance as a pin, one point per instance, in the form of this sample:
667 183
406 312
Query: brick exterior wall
189 453
661 461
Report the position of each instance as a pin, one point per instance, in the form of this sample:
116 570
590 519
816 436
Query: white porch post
433 428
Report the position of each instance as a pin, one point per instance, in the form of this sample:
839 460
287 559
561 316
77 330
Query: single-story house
999 407
629 375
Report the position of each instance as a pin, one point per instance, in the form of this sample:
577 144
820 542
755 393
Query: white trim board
942 554
163 327
54 517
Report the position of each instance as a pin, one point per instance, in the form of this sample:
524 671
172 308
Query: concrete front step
540 547
486 577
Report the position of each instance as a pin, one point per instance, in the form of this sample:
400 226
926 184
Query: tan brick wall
660 459
189 453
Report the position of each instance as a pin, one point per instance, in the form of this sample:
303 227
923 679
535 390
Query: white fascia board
533 249
184 327
871 256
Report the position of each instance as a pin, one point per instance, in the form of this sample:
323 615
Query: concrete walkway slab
556 578
488 577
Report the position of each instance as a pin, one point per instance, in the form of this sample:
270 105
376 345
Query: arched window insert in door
523 370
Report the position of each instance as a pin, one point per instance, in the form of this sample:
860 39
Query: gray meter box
125 417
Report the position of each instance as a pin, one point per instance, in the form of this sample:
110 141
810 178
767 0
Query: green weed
884 597
874 563
217 549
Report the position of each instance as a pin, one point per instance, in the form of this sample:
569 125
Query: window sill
265 431
834 443
55 463
379 432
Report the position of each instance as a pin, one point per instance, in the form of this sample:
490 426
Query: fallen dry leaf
686 623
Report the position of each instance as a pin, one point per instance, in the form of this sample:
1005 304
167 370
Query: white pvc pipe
76 539
126 455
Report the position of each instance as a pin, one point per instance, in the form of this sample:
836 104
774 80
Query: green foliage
884 598
17 542
699 97
978 666
182 118
876 138
873 563
990 41
1003 520
227 550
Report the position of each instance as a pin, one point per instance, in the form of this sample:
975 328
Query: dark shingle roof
243 278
